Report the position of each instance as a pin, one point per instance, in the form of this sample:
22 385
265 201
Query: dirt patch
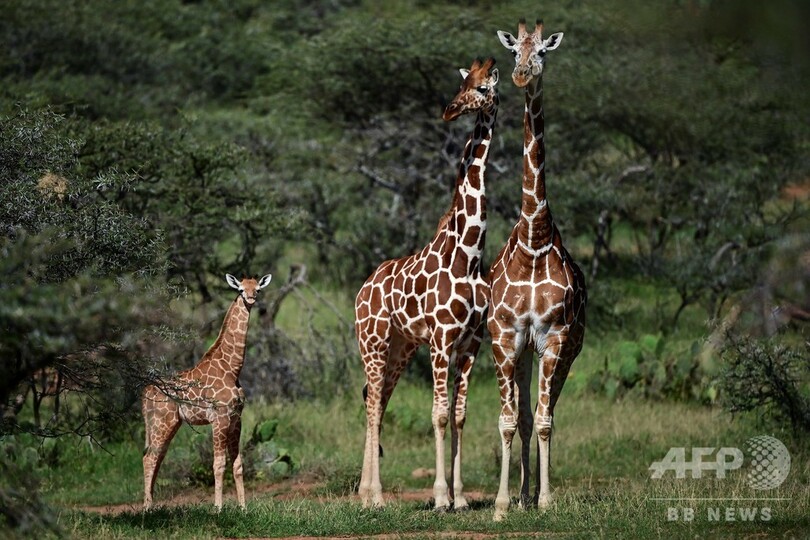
299 487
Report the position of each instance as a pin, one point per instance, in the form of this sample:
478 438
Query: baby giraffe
209 393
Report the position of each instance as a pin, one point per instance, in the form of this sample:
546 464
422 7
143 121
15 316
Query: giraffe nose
521 76
451 112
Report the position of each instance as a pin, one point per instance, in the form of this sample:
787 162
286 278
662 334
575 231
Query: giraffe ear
464 73
507 39
233 282
494 76
553 41
264 282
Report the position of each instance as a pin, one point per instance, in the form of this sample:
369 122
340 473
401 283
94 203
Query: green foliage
214 211
264 457
76 268
649 368
415 420
197 138
21 508
767 375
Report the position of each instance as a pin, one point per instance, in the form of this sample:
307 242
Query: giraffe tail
365 403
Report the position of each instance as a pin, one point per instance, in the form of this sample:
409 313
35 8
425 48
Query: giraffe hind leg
374 360
160 430
365 404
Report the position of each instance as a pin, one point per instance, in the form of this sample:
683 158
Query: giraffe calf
209 393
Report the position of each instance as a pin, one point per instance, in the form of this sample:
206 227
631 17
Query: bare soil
299 487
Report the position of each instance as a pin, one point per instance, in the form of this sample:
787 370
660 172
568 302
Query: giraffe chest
531 295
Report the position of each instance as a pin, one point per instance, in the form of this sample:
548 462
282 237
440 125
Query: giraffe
537 292
435 297
208 393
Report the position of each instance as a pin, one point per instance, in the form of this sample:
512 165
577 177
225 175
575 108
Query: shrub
767 376
650 368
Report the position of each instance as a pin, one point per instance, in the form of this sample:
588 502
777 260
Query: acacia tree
677 130
78 270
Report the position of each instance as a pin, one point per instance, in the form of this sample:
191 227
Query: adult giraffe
538 292
435 297
208 393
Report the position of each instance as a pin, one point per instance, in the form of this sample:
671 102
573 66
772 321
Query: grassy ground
600 479
602 486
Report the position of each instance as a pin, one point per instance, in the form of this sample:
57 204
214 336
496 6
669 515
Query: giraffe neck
228 351
467 217
535 225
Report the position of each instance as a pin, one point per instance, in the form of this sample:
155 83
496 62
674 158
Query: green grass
601 453
608 511
600 479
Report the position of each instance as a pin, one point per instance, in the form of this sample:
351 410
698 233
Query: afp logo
768 462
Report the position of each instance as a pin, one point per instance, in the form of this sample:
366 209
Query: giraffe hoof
442 509
501 507
544 502
460 504
526 503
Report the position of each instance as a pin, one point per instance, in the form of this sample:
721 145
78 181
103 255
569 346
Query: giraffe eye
542 53
482 89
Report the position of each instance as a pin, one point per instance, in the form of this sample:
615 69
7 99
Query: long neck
535 225
468 213
229 348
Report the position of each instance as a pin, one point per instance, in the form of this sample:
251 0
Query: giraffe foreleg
234 433
523 395
220 428
441 356
504 358
553 371
464 364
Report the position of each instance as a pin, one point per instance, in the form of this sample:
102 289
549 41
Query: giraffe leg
399 354
162 421
504 357
464 364
440 355
370 483
235 455
220 428
374 353
553 372
523 394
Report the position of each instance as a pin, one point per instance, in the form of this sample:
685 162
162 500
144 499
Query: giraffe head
477 91
529 51
249 287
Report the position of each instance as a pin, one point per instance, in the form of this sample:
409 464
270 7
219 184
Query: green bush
767 375
650 369
264 458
